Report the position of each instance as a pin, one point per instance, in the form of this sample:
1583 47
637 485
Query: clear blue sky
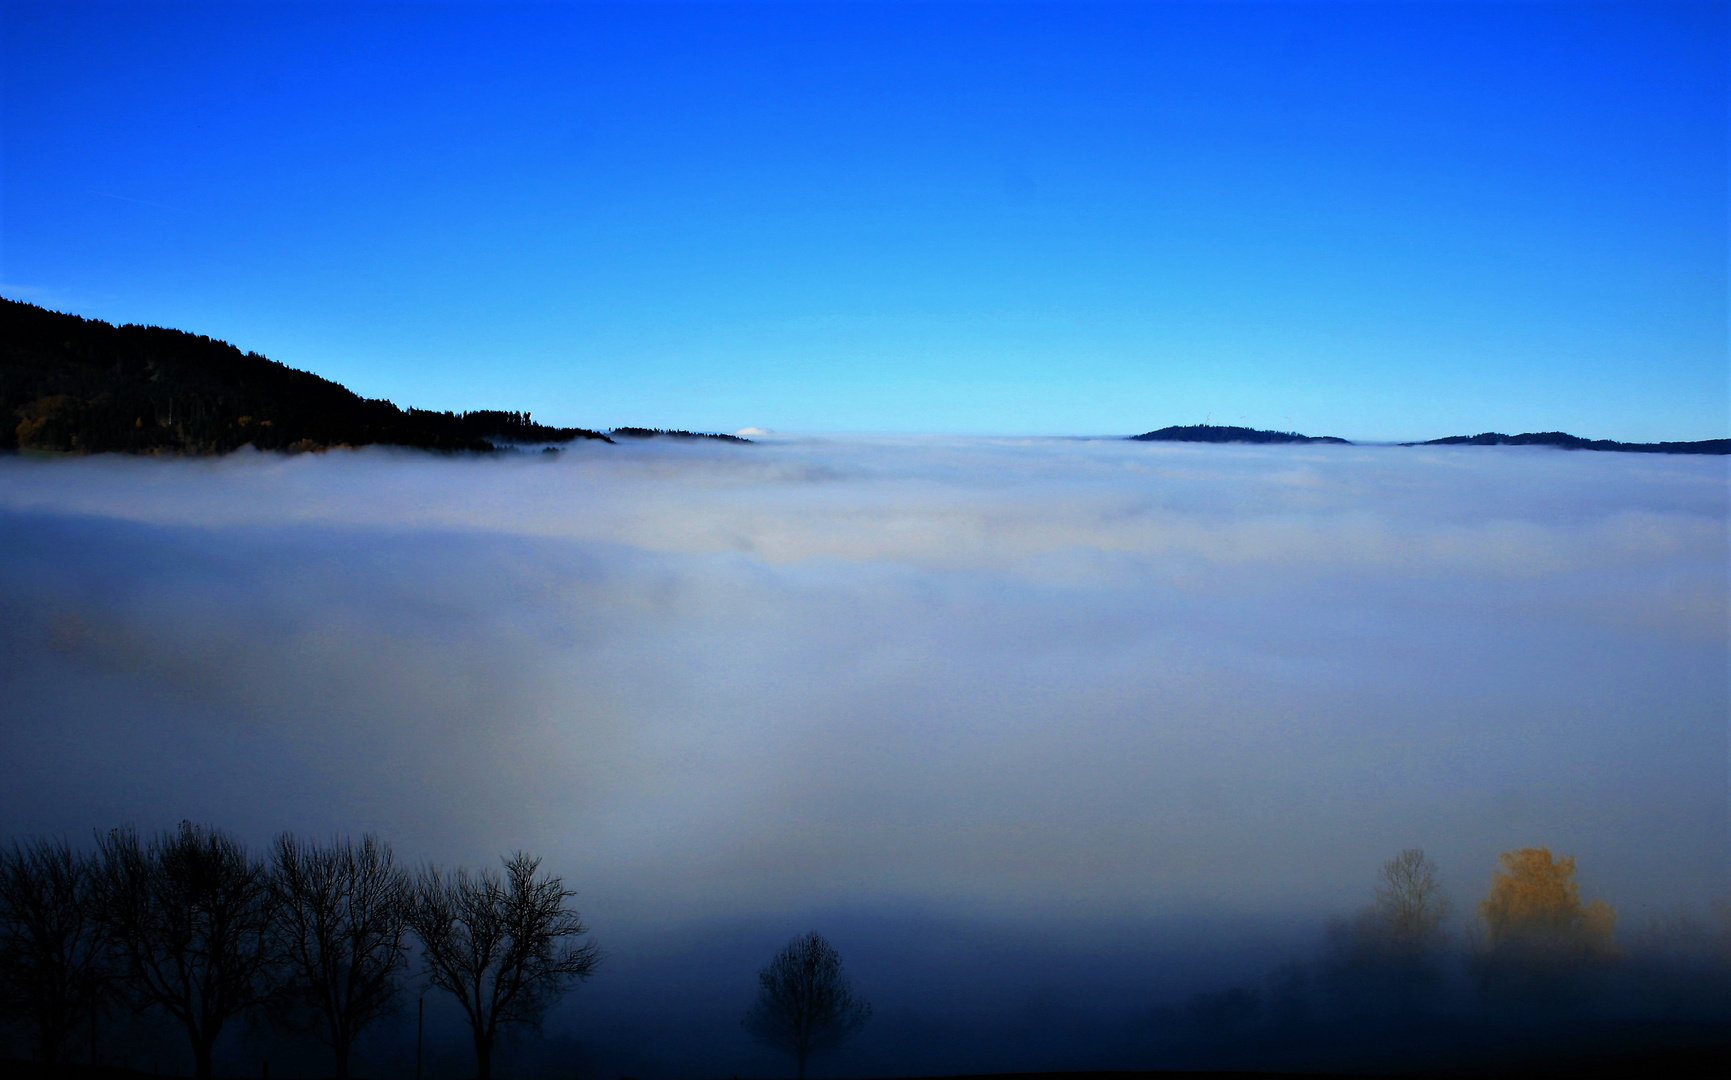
1372 220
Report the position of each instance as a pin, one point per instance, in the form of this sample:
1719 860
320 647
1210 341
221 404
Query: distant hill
1210 433
85 386
1575 442
664 433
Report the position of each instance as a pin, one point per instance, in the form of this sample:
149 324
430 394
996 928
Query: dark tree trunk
52 1037
483 1056
201 1050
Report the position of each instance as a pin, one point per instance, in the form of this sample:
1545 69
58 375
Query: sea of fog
1044 734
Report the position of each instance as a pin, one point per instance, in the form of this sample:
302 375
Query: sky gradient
1377 221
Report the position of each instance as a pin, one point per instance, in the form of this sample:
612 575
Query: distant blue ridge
1210 433
1574 442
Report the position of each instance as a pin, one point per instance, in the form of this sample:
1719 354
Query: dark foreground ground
1671 1064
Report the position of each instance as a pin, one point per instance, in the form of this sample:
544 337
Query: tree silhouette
803 1001
1411 905
341 917
51 955
504 948
188 917
1388 957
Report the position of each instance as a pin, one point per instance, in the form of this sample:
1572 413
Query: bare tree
1410 902
188 916
804 1003
341 918
505 948
51 956
1388 958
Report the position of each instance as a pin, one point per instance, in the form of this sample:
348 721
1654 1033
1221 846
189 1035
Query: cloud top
1018 678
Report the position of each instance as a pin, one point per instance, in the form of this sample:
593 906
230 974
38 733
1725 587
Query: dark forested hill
1211 433
81 385
664 433
1575 442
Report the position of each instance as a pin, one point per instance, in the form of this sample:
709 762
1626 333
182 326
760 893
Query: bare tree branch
51 955
505 948
341 916
804 1003
188 917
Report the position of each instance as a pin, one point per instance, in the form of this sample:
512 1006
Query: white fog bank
1083 683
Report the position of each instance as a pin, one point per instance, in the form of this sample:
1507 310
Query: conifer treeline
190 924
84 386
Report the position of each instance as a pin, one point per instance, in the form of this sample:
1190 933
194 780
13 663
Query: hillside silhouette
672 433
1212 433
1574 442
75 385
79 385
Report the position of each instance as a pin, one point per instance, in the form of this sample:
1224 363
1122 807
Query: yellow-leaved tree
1535 907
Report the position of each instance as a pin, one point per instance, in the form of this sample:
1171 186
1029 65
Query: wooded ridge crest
75 385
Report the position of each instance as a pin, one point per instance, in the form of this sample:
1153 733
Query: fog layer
934 697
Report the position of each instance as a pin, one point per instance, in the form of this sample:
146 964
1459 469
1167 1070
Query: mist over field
1045 735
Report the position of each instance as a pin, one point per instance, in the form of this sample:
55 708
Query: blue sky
1371 220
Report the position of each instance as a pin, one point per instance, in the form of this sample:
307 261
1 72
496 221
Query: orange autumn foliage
1535 903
